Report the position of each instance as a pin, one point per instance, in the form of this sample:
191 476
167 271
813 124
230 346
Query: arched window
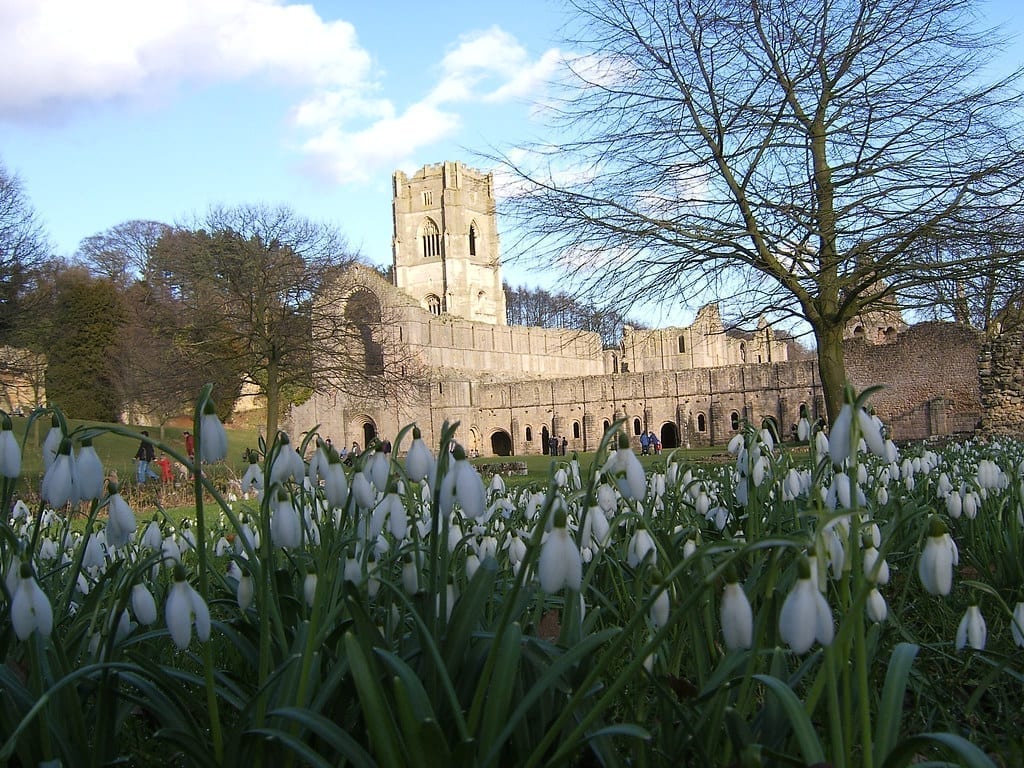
702 422
433 304
858 332
636 426
529 434
682 344
889 334
607 424
472 239
431 236
743 352
734 420
576 430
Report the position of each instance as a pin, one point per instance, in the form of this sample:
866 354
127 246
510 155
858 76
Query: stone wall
929 379
1001 371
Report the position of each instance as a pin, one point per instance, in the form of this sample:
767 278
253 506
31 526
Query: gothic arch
363 311
430 238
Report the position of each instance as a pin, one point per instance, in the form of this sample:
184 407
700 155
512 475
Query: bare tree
261 285
24 248
122 253
783 155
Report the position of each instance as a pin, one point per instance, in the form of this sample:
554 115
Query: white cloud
63 53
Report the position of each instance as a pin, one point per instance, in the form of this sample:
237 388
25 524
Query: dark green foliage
88 316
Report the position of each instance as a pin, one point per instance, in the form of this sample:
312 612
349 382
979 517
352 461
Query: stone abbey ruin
512 387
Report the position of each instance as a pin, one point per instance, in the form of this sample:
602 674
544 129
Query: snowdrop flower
121 519
335 481
935 568
309 588
876 568
213 440
1017 624
90 471
379 470
972 630
690 545
627 471
60 483
419 461
143 605
462 484
363 491
559 564
737 617
30 608
153 537
596 529
410 575
252 479
472 565
285 525
184 607
10 452
659 611
641 547
876 607
805 615
288 465
803 429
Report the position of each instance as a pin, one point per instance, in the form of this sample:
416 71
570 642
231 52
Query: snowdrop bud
120 519
353 571
876 569
803 429
245 592
362 491
30 608
185 606
690 545
737 617
820 445
972 630
153 538
309 588
52 441
472 565
143 605
1017 625
252 479
419 462
213 439
735 444
410 576
871 432
468 487
876 607
379 469
839 436
560 564
935 568
805 615
285 524
60 484
10 451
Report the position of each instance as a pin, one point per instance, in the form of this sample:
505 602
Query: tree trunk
273 396
831 367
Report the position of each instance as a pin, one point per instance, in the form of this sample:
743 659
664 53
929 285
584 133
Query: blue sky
112 110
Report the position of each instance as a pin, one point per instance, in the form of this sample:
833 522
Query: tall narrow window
576 430
682 344
702 423
529 434
472 239
431 238
433 304
428 197
636 426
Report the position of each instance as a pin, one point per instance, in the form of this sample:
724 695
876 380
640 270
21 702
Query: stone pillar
518 440
591 432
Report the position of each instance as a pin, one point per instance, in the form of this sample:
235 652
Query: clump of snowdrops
841 601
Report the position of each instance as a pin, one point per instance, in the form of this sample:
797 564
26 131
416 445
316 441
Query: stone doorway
501 443
669 436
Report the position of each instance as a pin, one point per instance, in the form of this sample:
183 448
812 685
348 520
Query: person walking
144 456
190 445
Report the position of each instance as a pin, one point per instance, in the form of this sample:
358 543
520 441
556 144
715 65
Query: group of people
146 458
649 443
556 447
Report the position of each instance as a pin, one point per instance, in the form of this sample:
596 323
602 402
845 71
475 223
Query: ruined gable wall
1001 372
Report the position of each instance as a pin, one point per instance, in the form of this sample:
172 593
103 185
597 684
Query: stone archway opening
369 433
669 436
501 443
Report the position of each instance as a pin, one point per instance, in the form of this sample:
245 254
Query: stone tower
445 246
